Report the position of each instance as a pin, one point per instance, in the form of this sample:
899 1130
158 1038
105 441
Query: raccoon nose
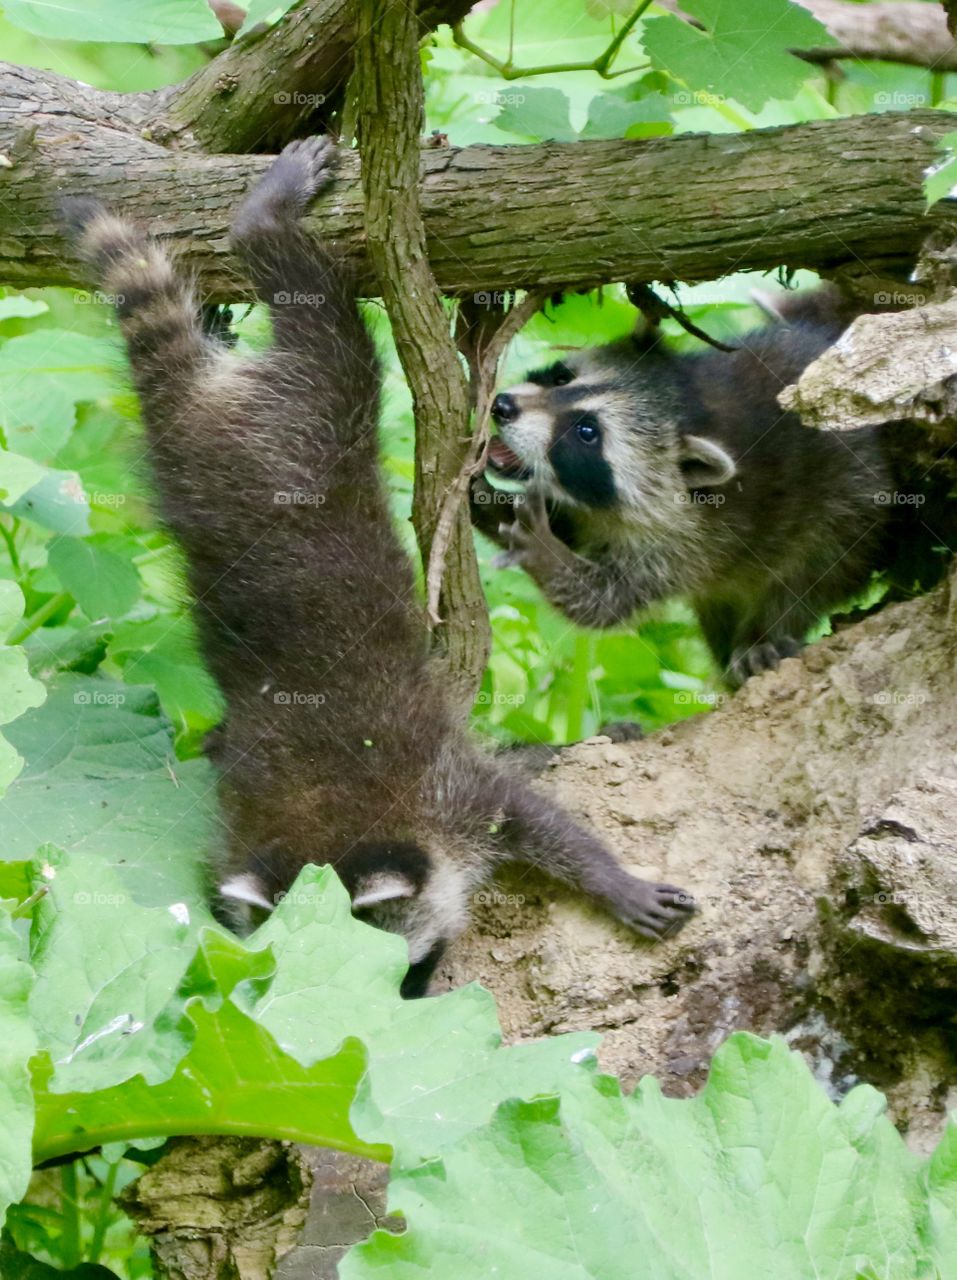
505 408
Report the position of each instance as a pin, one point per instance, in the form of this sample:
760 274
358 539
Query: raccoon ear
381 872
704 463
382 886
647 336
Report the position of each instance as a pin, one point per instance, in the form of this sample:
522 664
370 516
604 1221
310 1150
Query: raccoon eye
561 375
587 431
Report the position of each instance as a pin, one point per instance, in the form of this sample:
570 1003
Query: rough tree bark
391 114
554 215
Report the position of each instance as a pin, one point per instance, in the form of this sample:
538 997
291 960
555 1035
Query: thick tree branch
887 31
391 112
262 91
691 207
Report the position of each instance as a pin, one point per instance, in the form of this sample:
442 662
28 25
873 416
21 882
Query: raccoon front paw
653 910
751 660
529 541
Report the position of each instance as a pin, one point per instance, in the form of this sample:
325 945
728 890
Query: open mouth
505 462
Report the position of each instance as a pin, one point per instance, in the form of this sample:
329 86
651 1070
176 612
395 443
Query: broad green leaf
101 777
742 52
258 11
42 376
940 180
17 475
165 21
51 650
941 1234
437 1068
17 1045
231 1077
17 306
612 117
19 691
759 1175
57 501
106 968
103 581
163 652
149 1035
536 112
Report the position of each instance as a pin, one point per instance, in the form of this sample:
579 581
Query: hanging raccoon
650 474
338 744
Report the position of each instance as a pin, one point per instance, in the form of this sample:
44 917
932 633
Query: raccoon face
600 429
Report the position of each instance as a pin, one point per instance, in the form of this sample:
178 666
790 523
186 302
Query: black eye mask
578 461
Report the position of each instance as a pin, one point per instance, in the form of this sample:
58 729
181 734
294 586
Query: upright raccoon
338 745
651 474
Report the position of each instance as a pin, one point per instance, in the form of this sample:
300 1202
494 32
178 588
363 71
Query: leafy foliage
167 21
742 52
758 1175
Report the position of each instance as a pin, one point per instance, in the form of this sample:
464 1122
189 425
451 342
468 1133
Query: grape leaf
742 52
449 1047
613 117
17 475
163 652
230 1077
535 112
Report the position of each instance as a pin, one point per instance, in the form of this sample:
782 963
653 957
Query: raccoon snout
505 408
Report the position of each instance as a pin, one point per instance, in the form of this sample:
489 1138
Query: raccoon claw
654 910
529 539
751 660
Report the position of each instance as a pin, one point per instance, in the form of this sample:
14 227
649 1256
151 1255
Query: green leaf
103 581
42 376
612 117
17 306
90 1003
231 1078
742 51
163 21
940 180
259 11
15 1265
163 651
57 501
437 1068
536 112
19 691
758 1175
152 1038
17 1045
17 475
101 777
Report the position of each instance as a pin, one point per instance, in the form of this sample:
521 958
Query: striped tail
158 314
